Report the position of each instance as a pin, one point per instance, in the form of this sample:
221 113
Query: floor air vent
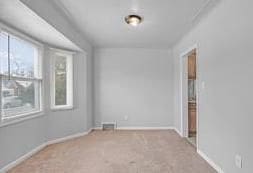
108 126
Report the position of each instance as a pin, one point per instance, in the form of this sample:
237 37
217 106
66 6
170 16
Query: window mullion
9 60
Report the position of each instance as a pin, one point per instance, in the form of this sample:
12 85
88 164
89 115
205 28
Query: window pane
19 97
60 81
23 58
3 53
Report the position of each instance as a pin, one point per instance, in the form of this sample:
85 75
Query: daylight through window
20 77
62 91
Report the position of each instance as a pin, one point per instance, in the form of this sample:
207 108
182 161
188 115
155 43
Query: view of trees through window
62 73
20 86
60 81
22 57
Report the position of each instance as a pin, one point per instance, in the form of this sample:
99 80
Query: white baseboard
138 128
68 138
39 148
210 161
178 132
145 128
97 128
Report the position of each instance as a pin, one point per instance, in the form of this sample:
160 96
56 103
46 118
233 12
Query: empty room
126 86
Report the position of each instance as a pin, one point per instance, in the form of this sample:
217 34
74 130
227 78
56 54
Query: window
20 77
62 77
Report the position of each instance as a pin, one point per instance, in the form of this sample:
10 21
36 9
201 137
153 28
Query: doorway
192 104
189 95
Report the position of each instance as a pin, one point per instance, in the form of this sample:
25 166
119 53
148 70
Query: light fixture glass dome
133 20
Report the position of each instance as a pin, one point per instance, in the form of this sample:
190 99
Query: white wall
18 139
137 83
225 64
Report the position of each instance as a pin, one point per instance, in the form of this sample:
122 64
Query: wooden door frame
184 93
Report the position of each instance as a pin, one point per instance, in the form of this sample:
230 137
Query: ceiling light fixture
133 20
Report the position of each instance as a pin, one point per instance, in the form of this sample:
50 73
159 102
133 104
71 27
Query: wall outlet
238 161
125 118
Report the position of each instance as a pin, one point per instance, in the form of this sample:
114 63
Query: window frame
40 48
69 78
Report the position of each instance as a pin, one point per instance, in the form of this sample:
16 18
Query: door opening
192 104
189 96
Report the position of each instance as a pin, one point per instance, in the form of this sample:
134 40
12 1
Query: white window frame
40 47
69 60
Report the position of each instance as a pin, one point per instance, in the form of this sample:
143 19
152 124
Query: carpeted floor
160 151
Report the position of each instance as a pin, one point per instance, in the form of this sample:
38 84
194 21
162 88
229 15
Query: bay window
20 77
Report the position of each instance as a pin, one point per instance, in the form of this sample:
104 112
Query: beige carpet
118 152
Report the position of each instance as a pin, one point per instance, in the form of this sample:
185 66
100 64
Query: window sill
62 108
21 118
